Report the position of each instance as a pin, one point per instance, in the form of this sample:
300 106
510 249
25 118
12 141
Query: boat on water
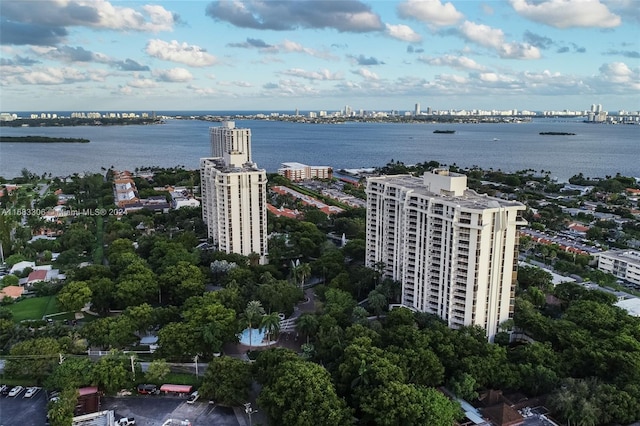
444 131
557 134
496 139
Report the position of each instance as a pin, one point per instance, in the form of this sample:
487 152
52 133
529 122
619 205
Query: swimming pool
257 337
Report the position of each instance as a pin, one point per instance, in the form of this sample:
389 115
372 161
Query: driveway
23 411
154 410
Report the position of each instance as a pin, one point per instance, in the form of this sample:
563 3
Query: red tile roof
38 275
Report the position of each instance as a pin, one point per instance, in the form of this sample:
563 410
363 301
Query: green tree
10 279
178 340
113 372
181 281
158 369
253 316
227 381
271 323
266 365
72 373
307 325
33 358
75 295
61 411
403 404
302 394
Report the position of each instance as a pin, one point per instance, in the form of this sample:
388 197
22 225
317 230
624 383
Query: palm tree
252 316
303 270
377 301
271 323
307 324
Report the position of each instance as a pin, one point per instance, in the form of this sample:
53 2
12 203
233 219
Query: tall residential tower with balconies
234 194
454 251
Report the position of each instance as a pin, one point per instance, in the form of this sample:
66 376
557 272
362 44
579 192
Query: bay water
596 150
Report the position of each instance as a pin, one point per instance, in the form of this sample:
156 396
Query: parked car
126 421
124 392
4 390
31 391
16 391
193 397
172 422
148 389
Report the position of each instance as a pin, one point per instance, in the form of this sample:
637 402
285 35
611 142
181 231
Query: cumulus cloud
45 23
18 33
460 62
344 16
493 38
289 46
620 73
19 61
50 76
251 43
363 60
367 74
173 75
142 83
403 32
431 12
539 41
312 75
183 53
567 13
633 54
130 65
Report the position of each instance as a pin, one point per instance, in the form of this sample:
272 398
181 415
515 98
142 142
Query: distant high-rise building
234 191
417 110
453 251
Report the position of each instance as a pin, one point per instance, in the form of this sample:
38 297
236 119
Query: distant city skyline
100 55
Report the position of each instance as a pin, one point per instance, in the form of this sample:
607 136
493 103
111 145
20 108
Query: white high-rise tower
453 251
234 191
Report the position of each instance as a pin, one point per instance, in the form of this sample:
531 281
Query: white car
193 397
126 421
31 391
16 391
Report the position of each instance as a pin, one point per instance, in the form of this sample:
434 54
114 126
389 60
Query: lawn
34 308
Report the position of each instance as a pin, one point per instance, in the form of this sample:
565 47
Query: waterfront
595 150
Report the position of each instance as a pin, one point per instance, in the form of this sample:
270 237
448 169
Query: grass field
34 308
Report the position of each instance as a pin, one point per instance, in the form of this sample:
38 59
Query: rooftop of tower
468 198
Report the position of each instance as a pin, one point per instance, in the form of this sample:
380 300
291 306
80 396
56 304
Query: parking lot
151 410
19 410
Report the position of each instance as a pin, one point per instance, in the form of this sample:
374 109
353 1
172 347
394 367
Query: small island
557 134
41 139
444 131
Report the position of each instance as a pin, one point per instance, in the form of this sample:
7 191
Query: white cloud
366 74
125 18
493 38
183 53
453 78
49 75
289 46
142 83
460 62
568 13
173 75
481 34
313 75
431 12
619 72
403 32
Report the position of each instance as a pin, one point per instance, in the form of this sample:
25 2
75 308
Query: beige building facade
234 194
453 251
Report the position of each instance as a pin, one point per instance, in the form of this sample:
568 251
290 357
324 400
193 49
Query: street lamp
249 411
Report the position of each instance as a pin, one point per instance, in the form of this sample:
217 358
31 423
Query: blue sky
86 55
